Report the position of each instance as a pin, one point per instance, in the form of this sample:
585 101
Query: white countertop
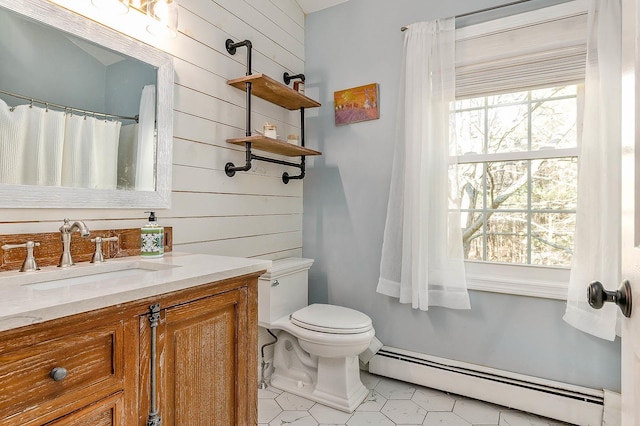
33 297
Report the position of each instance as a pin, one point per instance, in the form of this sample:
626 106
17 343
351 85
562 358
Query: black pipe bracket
288 77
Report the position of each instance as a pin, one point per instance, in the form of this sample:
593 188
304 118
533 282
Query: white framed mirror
103 122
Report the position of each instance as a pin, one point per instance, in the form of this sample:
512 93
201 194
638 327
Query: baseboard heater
568 403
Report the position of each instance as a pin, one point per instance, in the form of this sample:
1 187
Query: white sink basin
84 274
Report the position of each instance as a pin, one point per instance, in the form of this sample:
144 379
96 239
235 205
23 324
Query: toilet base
309 391
334 382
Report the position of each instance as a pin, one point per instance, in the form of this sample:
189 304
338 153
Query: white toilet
316 355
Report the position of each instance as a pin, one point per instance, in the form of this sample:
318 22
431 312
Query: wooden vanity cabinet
85 353
206 362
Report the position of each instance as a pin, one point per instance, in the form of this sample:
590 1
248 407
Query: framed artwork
356 104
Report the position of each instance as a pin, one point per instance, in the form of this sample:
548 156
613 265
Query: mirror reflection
72 113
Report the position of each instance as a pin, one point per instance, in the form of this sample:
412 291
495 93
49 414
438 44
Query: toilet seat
331 319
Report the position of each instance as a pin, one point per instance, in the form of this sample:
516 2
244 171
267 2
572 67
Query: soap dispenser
152 238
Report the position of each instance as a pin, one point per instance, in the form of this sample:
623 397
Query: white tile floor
391 403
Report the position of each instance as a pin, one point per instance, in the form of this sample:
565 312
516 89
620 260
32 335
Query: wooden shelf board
274 146
273 91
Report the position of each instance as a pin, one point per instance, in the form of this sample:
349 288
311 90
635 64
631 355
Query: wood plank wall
252 214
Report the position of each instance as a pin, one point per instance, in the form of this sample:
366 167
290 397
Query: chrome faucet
65 235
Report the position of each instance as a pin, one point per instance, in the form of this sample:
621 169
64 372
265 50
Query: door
203 378
631 210
203 354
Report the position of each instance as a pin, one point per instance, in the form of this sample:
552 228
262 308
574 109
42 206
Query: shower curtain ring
46 105
31 104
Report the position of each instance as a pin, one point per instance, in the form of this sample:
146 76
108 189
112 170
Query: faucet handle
66 225
97 255
29 263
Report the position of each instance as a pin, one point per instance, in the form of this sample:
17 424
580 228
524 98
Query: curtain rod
68 108
487 9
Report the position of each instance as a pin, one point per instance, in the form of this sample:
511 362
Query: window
517 156
519 89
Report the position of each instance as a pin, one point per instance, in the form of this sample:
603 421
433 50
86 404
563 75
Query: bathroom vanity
131 341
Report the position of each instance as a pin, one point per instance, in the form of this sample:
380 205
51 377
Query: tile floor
391 403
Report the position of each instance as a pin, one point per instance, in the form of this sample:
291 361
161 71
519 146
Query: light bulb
163 18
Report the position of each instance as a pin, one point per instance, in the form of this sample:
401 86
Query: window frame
550 282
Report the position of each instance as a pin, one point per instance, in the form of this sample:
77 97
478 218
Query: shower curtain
90 155
12 132
137 155
146 154
422 259
44 139
31 142
40 146
127 154
596 254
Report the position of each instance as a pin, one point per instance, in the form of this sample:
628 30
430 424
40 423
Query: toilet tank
283 289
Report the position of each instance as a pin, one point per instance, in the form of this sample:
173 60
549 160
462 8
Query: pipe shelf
279 94
273 91
274 146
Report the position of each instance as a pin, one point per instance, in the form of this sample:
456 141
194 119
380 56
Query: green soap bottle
152 238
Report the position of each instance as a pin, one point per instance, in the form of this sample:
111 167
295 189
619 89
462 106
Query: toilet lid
331 319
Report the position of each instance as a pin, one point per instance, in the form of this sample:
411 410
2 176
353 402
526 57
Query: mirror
85 113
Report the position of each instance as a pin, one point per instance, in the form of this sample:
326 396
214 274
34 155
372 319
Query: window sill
520 280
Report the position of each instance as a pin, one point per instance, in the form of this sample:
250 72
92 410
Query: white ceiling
309 6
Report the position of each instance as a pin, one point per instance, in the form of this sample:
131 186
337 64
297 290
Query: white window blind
545 47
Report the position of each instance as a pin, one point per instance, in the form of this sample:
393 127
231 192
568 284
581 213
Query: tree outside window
517 172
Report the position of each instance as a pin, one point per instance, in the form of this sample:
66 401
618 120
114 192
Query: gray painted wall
45 64
346 191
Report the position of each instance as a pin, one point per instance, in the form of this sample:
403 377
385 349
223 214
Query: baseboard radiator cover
568 403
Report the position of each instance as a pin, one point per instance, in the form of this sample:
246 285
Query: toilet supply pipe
265 365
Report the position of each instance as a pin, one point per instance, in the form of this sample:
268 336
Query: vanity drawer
93 361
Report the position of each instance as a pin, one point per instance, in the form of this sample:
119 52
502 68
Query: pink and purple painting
356 104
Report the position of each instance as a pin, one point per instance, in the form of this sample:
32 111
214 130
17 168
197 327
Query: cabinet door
203 363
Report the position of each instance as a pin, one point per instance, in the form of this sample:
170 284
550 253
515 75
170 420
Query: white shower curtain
40 146
146 155
90 156
77 153
12 131
422 259
596 253
31 142
136 153
127 155
106 140
43 145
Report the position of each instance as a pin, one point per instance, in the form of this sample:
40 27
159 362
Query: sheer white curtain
596 253
422 261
